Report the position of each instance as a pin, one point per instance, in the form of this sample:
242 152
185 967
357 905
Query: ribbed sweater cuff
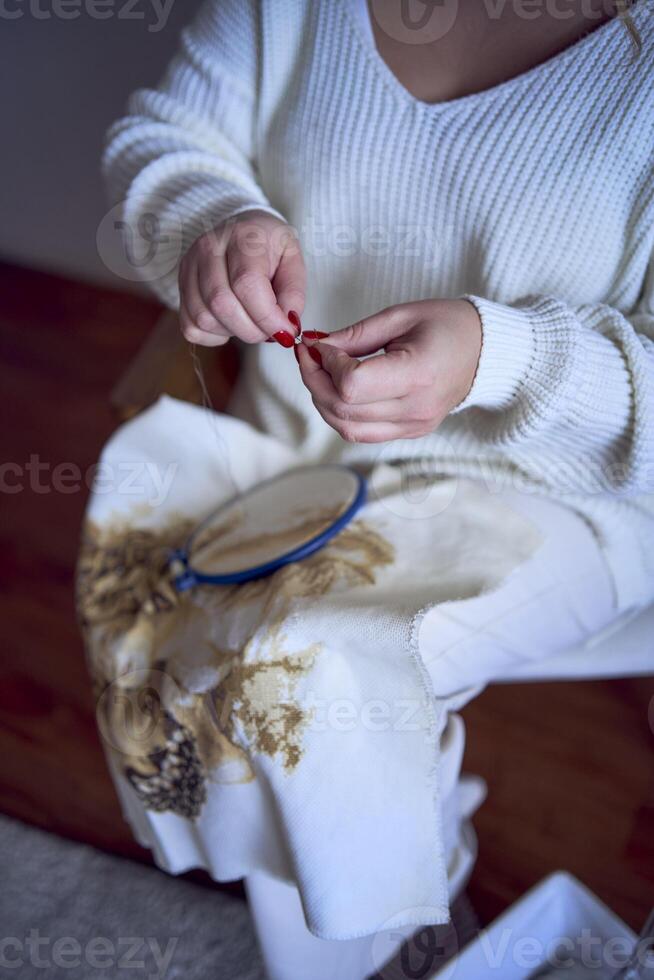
506 352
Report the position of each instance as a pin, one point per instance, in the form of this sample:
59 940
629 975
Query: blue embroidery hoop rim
189 578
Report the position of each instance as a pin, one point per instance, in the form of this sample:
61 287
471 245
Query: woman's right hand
242 279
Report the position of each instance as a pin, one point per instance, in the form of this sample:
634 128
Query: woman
468 194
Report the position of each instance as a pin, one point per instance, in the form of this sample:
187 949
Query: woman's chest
516 190
448 50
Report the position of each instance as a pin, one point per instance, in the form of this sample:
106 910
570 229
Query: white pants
554 601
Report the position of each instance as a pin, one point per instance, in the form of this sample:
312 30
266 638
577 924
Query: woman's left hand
428 356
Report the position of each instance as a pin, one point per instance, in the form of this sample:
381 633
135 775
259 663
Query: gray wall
62 83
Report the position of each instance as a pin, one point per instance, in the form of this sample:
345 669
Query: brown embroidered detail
178 780
259 700
120 569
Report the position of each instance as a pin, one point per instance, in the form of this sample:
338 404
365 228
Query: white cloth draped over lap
300 732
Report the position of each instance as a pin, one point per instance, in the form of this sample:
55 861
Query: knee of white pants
290 951
555 600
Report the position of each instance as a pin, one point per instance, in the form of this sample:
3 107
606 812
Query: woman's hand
241 280
430 355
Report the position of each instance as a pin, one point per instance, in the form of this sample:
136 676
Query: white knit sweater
535 199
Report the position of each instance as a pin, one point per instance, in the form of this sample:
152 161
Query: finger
250 282
196 336
223 305
196 314
202 337
372 334
390 375
370 431
290 280
322 391
400 410
325 395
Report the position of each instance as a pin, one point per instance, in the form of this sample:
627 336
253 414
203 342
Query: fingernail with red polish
295 320
315 355
315 334
284 338
296 352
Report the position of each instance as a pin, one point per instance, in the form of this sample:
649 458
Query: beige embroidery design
180 701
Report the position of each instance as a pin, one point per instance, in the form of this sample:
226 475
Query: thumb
372 334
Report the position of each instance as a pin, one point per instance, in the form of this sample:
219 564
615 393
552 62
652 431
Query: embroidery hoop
283 496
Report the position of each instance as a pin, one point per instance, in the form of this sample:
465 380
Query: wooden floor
569 765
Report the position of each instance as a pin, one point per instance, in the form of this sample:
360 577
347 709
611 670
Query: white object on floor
558 910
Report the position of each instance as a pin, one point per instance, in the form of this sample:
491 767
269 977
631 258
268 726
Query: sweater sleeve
183 159
574 384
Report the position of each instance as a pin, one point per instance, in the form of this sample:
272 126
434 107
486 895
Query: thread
212 418
622 9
